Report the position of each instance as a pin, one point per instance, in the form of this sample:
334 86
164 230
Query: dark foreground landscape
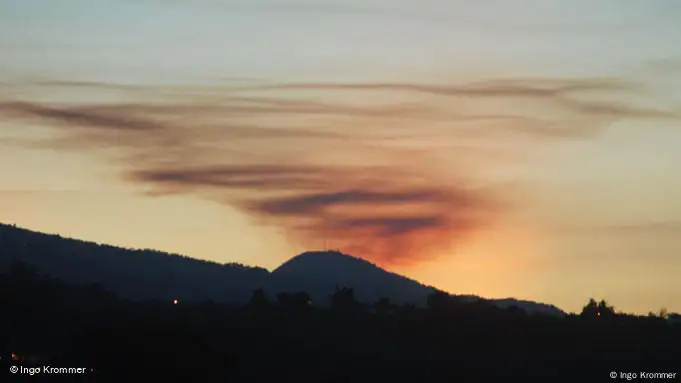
291 336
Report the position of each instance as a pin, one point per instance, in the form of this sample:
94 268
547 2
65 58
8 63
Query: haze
499 148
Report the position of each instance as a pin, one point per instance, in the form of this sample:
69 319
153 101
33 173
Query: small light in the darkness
174 301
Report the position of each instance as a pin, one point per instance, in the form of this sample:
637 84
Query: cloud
656 228
258 177
388 178
530 87
342 204
316 203
388 219
75 116
619 110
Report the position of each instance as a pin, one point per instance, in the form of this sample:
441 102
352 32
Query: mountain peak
149 274
322 260
323 271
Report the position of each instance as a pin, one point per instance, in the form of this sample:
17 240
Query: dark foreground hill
134 274
49 322
46 324
149 274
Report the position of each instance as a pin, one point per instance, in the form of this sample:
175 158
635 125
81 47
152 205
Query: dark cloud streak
76 116
537 88
322 168
317 203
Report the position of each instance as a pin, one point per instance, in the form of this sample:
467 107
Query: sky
501 148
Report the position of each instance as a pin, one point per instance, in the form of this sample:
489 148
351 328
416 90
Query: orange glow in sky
479 149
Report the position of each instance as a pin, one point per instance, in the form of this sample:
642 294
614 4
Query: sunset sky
526 149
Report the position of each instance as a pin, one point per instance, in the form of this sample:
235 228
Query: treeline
287 338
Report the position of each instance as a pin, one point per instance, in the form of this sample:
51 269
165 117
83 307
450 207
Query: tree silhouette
590 310
605 310
595 309
664 314
343 299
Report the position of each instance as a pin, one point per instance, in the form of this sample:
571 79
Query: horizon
482 149
336 251
286 261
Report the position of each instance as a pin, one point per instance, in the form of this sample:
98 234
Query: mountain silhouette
321 272
149 274
132 274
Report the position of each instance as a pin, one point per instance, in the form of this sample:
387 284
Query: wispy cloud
76 116
360 174
527 87
656 228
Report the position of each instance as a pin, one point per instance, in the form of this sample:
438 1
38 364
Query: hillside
51 323
135 274
150 274
321 271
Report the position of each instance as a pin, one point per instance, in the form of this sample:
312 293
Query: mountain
150 274
134 274
320 272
